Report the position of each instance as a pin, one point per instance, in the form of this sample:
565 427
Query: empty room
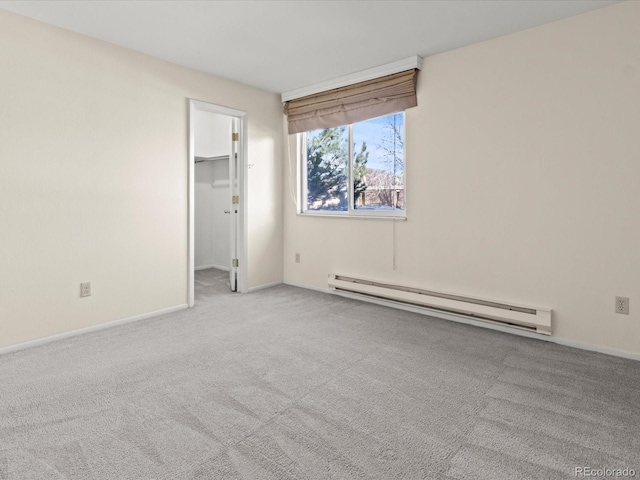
319 240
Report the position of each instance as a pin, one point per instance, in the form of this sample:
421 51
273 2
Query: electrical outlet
85 289
622 305
297 258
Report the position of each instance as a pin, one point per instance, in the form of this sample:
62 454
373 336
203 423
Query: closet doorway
217 213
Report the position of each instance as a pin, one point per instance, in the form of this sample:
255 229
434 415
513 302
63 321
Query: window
355 170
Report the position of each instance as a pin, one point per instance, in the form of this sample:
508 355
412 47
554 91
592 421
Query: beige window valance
353 103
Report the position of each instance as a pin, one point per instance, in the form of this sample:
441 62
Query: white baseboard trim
471 321
308 287
205 267
94 328
614 352
263 286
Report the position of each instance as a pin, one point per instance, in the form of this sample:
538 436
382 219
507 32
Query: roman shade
353 103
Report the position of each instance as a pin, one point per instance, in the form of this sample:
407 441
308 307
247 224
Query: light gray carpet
286 383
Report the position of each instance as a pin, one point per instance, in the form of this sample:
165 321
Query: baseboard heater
528 318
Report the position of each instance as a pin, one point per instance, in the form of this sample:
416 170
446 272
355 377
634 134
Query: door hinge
235 199
235 137
234 262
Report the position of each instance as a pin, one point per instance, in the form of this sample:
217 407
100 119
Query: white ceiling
283 45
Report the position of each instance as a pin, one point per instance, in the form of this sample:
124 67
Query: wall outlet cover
85 289
622 305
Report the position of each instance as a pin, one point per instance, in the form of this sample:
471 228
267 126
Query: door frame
242 193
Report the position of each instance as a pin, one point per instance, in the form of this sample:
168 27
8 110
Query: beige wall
93 179
523 165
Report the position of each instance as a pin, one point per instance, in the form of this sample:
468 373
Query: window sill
402 218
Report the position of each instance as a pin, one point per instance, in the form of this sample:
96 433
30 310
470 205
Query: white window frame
351 212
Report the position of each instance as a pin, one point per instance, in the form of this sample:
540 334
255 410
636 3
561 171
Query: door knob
227 211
